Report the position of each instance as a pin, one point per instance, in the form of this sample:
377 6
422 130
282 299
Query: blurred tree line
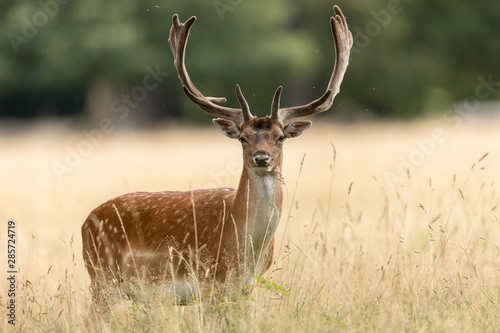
89 58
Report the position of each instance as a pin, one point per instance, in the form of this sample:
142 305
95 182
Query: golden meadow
385 227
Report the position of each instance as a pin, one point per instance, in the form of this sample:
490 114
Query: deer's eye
281 138
242 139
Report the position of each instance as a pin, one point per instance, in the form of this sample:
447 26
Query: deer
175 239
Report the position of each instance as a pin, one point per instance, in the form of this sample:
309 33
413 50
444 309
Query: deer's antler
179 34
343 43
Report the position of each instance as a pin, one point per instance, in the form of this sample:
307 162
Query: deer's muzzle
261 158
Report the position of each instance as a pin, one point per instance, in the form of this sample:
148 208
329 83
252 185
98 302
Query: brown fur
169 235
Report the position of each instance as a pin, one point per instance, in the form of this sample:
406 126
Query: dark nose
261 158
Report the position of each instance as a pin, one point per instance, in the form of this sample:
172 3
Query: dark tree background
91 58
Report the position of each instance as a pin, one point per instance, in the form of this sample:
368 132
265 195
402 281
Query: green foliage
422 56
268 285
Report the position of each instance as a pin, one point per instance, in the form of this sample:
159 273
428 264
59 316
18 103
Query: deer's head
262 138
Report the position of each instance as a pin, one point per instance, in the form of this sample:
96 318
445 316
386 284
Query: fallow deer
176 238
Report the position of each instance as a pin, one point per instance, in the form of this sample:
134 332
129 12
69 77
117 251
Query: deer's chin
269 168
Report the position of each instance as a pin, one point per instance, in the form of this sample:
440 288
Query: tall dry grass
356 251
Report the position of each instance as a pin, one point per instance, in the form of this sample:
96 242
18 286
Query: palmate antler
343 42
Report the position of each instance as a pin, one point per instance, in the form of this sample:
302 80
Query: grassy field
386 227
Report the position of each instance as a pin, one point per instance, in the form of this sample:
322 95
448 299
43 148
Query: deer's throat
262 194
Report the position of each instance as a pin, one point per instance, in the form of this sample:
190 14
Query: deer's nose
261 158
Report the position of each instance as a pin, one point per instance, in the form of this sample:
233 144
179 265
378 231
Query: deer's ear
295 129
228 128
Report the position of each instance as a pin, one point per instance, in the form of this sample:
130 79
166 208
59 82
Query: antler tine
343 43
275 106
245 109
179 33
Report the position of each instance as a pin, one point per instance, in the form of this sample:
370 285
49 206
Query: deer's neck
257 209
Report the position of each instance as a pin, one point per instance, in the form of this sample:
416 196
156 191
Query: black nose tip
261 158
